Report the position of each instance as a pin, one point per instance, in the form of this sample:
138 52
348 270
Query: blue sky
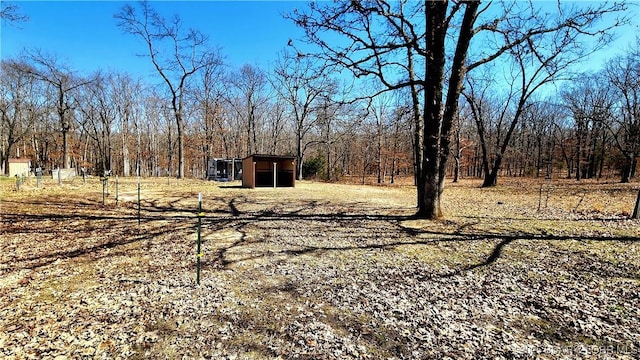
84 34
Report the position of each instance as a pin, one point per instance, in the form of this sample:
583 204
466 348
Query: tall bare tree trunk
429 205
66 159
64 124
625 173
438 119
126 165
379 152
180 146
299 156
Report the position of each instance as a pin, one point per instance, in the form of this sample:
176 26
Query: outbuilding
260 170
224 169
20 167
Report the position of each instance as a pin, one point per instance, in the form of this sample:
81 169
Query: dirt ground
528 269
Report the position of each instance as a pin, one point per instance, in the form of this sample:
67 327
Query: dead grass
319 271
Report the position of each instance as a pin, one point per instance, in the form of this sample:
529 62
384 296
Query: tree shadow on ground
310 227
62 231
368 230
360 226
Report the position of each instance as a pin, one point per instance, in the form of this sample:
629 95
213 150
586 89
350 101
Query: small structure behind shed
268 171
62 174
19 167
224 169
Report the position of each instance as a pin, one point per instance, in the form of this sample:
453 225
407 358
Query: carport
268 171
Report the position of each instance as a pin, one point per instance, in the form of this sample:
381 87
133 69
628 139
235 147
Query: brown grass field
528 269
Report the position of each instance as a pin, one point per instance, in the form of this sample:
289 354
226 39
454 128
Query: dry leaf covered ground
321 271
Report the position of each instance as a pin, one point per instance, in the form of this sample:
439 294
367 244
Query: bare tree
590 104
400 144
249 101
300 82
393 41
11 13
562 135
623 73
487 116
148 130
328 111
534 63
461 138
275 126
382 113
99 117
63 82
19 106
540 119
127 100
184 55
208 95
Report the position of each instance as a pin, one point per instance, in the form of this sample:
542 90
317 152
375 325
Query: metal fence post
199 250
116 190
138 200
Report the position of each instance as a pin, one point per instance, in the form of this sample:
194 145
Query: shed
62 174
268 171
224 169
20 167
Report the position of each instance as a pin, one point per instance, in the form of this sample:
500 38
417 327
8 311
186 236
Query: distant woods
521 109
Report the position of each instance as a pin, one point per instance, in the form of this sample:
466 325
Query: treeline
111 121
199 108
588 127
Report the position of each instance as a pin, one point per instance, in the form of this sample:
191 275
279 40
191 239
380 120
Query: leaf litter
322 271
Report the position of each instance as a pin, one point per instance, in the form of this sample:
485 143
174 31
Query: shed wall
263 170
19 168
248 173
